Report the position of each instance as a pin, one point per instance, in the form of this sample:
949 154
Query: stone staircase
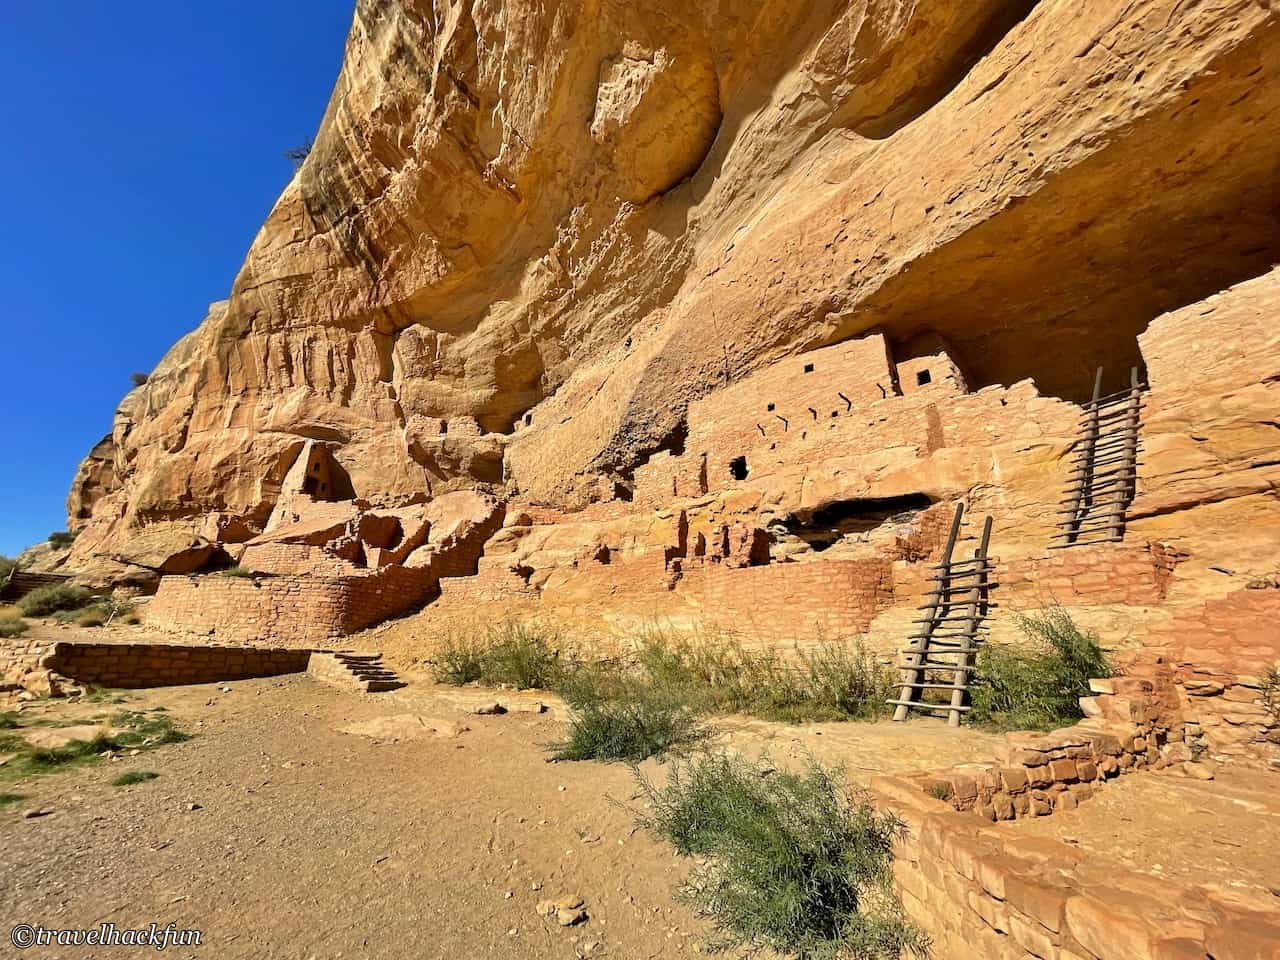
364 672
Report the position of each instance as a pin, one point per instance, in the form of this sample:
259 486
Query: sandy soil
311 842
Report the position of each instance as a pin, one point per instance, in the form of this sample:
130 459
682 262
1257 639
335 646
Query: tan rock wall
140 665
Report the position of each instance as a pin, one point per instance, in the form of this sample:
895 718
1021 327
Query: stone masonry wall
984 892
789 602
139 665
19 655
286 611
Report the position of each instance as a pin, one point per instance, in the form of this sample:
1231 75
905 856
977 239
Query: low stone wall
983 892
23 583
19 656
139 665
286 611
1132 722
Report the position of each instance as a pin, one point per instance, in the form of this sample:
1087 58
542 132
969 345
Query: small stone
490 709
569 918
192 807
508 895
36 813
570 901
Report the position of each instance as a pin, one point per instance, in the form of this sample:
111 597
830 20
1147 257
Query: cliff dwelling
868 410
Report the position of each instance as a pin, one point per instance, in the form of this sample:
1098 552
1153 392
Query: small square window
771 407
923 377
808 368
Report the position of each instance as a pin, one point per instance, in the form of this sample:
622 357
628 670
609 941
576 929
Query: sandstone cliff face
530 234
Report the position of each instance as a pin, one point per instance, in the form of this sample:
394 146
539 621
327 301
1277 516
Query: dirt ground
306 841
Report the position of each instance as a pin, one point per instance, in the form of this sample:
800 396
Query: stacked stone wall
986 892
141 665
286 611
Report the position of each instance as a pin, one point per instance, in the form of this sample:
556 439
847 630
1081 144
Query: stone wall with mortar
286 611
140 665
983 892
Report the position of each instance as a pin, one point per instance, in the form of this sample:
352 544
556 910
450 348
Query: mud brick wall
784 602
138 665
286 611
987 892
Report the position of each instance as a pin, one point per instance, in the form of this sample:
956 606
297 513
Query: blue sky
140 150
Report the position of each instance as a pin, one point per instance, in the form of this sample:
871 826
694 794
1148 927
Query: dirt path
314 843
310 842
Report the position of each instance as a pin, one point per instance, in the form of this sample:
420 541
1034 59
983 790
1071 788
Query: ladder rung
931 665
962 563
1109 416
1127 470
985 603
925 706
929 686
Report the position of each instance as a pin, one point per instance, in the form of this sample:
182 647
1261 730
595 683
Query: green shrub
134 776
61 539
1037 686
834 681
460 661
518 655
8 798
91 617
11 627
44 601
612 719
523 656
793 862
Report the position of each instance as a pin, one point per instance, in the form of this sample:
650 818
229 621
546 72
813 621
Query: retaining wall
138 665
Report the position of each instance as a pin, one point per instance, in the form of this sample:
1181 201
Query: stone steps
364 672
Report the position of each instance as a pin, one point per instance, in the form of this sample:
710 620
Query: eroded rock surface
529 235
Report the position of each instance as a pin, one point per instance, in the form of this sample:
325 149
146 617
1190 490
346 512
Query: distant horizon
143 148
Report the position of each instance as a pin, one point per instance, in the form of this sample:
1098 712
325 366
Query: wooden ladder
1104 472
953 618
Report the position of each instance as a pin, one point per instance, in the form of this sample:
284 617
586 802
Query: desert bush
523 656
44 601
8 798
1271 692
520 655
833 681
613 717
134 776
91 617
11 627
1037 686
459 660
793 862
61 539
135 731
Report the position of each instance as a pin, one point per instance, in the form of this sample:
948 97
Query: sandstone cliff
530 234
